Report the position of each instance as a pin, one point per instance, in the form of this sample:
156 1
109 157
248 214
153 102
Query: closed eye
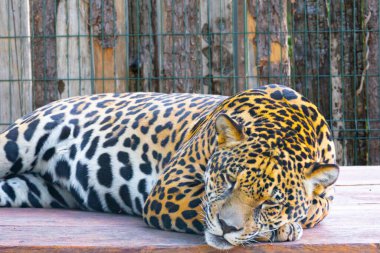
226 193
229 189
231 179
269 204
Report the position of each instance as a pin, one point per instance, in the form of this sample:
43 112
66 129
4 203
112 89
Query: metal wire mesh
327 50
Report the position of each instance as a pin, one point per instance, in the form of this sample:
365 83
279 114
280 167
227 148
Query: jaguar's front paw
289 232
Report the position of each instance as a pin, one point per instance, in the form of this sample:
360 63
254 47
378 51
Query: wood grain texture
15 61
180 53
44 51
373 92
272 57
352 226
217 46
74 52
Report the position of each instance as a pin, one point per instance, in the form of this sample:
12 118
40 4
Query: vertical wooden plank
346 61
360 98
73 48
110 40
158 42
143 49
337 116
44 54
121 47
104 31
15 61
180 64
311 51
251 44
104 68
92 46
272 46
352 64
244 55
217 46
373 83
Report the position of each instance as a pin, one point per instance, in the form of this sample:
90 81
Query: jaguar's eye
268 204
231 179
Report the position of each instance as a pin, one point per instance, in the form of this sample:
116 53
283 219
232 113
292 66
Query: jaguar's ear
319 177
228 131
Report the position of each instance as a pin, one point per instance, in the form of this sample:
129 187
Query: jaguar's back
100 152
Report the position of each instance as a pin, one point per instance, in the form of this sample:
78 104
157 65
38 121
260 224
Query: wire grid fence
327 50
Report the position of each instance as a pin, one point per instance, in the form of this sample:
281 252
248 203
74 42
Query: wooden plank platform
352 226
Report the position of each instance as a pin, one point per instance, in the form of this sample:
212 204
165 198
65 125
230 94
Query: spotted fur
257 166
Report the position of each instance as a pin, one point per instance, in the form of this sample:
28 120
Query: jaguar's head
254 185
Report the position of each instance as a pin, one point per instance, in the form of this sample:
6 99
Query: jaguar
254 167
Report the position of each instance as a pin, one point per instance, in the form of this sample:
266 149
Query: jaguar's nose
227 228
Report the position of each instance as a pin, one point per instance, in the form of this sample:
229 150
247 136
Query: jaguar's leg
319 209
286 233
31 190
175 203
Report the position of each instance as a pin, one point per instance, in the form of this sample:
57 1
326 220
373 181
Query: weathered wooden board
349 195
351 227
180 55
271 49
216 21
359 175
74 60
44 51
109 35
15 61
122 45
